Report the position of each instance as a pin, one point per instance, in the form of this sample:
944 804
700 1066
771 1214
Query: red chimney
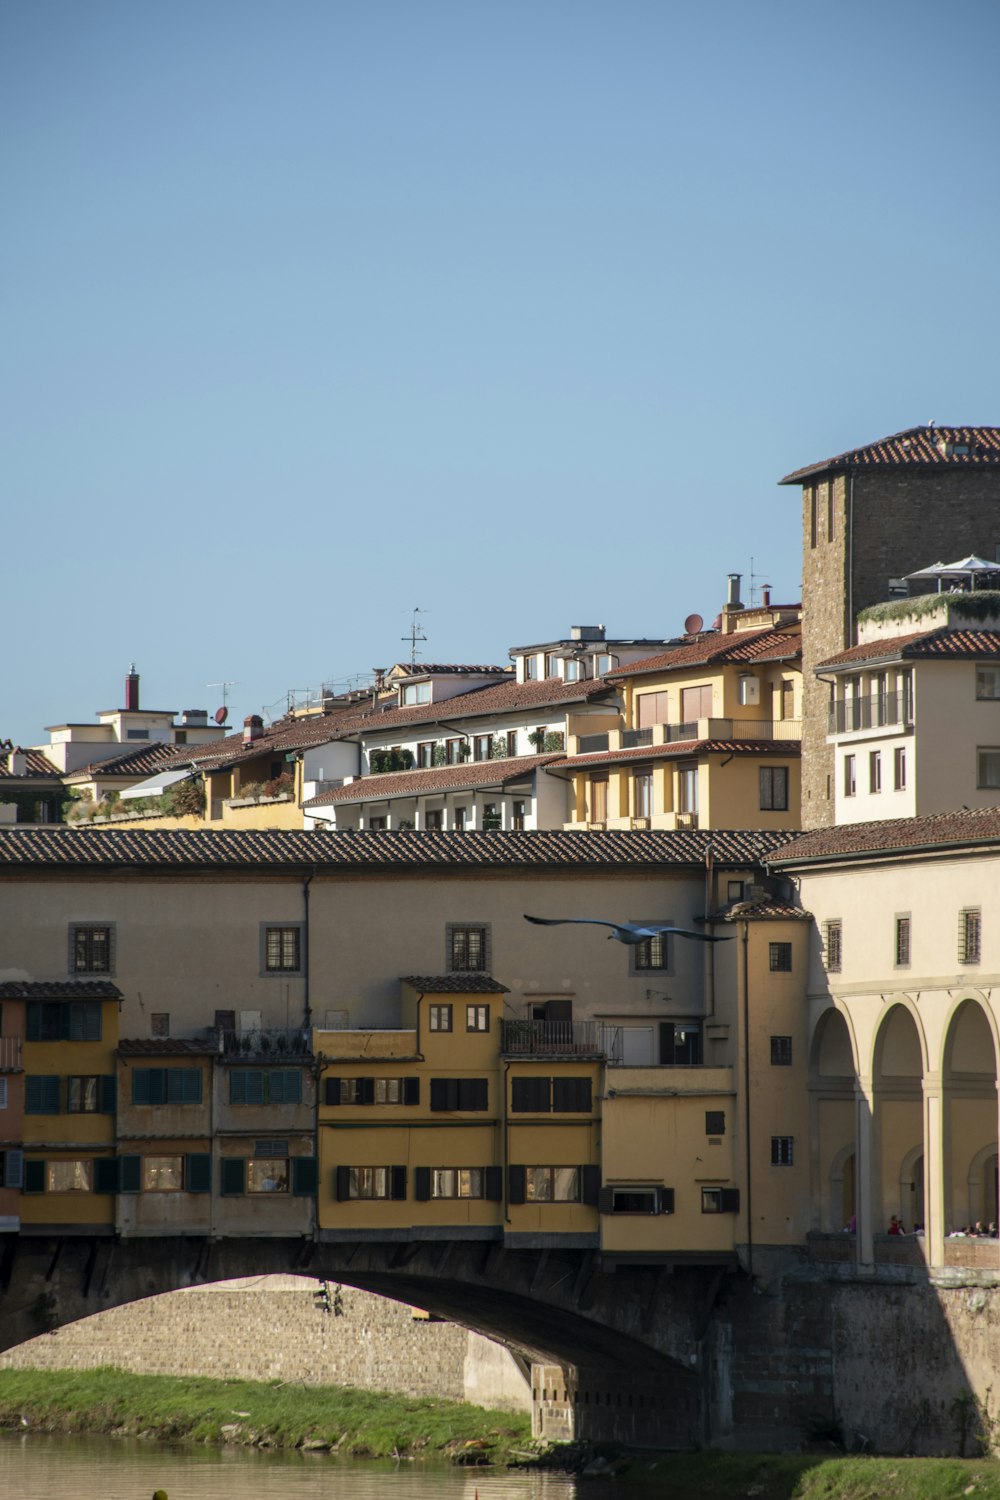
766 591
132 689
253 728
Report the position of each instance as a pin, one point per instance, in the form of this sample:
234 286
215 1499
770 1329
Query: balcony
10 1054
550 1039
275 1043
888 710
634 739
593 744
675 732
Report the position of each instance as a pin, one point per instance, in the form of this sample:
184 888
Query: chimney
733 598
253 728
765 596
17 763
132 689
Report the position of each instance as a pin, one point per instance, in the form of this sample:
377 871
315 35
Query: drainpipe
505 1150
850 560
306 1007
709 907
745 997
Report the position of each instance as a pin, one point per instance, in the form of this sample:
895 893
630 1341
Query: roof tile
456 984
713 649
469 775
968 827
914 448
931 644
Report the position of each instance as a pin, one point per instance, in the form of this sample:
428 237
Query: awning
967 568
157 784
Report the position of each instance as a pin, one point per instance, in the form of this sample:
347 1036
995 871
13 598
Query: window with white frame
875 771
987 682
439 1017
899 768
850 775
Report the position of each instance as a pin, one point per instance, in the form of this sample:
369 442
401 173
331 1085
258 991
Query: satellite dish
221 714
693 624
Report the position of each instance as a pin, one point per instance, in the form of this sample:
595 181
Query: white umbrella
970 567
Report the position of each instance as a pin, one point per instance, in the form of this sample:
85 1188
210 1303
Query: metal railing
591 744
688 731
632 739
272 1042
850 714
550 1038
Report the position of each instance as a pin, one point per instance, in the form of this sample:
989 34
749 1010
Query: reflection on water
80 1468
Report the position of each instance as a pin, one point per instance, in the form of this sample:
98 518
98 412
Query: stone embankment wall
275 1328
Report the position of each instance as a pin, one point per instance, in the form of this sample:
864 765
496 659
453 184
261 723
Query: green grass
723 1476
275 1414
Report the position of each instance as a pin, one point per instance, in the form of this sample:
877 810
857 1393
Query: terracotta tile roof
931 644
712 649
167 1046
467 776
678 749
256 850
456 984
449 669
903 835
59 989
37 764
761 911
914 448
142 761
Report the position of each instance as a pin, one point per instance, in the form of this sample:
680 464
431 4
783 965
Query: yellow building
70 1172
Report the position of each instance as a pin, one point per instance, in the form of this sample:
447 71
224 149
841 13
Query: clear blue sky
321 310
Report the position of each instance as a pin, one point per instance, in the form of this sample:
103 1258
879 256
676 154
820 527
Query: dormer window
530 668
572 669
416 692
602 664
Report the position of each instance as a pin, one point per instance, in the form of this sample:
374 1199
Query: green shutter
473 1093
183 1085
198 1172
34 1177
305 1176
13 1168
129 1174
106 1174
107 1101
233 1176
237 1086
343 1184
331 1090
422 1184
397 1182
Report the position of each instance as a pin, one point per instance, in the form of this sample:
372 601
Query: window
651 953
42 1094
688 789
850 775
3 1093
774 788
780 958
642 794
530 1095
875 771
69 1176
467 948
370 1182
696 703
988 769
458 819
61 1021
781 1052
906 691
517 817
91 1094
599 797
833 942
551 664
477 1018
162 1174
720 1200
734 890
530 668
482 747
425 754
159 1023
652 709
680 1043
811 497
268 1174
572 670
265 1086
782 1150
456 1182
491 817
987 682
455 751
602 663
466 1094
417 692
571 1095
281 949
902 942
552 1184
970 932
439 1017
715 1122
434 820
511 742
830 513
372 1090
378 825
166 1085
639 1200
91 949
899 768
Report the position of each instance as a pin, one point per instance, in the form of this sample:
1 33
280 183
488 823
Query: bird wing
631 933
585 921
651 928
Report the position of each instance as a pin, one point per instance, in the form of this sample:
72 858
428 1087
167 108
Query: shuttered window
41 1094
265 1086
459 1094
166 1085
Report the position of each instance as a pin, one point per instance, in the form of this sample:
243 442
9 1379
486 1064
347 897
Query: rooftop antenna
222 713
416 634
754 586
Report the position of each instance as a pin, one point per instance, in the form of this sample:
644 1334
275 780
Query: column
934 1169
867 1177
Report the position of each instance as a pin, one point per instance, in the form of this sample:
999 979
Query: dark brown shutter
592 1185
366 1091
730 1200
411 1090
494 1184
422 1184
666 1200
397 1182
331 1090
606 1200
515 1184
343 1184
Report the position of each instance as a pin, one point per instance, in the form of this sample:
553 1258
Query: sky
318 312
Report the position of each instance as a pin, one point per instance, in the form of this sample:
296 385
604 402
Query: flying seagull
631 933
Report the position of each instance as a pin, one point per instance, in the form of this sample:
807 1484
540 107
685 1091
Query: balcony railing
591 744
632 739
672 732
550 1038
10 1054
850 714
275 1043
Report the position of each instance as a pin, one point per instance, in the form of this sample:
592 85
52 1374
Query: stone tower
870 516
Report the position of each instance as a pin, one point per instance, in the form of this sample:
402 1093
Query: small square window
780 958
734 890
281 949
477 1018
468 948
159 1023
715 1122
91 949
781 1052
987 682
782 1150
440 1017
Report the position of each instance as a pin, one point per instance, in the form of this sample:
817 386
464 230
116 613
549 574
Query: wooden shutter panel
422 1184
366 1091
34 1177
730 1198
397 1182
715 1122
233 1175
666 1200
606 1200
13 1168
129 1174
493 1184
198 1172
666 1042
444 1093
343 1184
515 1184
591 1184
305 1176
106 1174
331 1090
33 1022
108 1094
571 1094
411 1090
473 1093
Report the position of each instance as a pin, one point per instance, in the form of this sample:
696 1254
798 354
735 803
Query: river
33 1467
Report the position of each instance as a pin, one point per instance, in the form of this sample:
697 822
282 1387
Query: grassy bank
724 1476
272 1415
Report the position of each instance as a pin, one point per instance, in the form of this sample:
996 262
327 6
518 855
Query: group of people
976 1231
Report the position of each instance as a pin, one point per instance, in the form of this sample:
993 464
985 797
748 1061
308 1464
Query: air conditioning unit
749 690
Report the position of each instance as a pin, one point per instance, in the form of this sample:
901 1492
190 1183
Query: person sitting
895 1227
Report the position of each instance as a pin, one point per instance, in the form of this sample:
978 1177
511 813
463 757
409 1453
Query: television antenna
222 713
416 634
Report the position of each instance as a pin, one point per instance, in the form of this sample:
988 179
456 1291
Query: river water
33 1467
